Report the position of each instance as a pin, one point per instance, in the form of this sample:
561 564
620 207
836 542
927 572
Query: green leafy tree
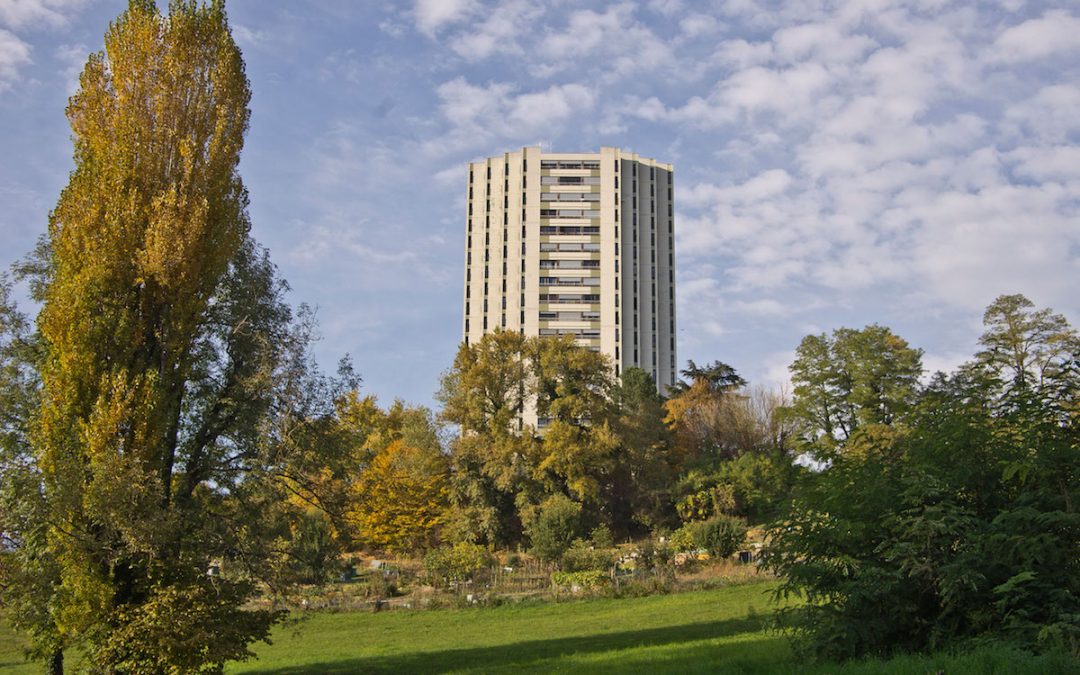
555 527
28 575
851 379
1026 347
959 524
603 442
638 494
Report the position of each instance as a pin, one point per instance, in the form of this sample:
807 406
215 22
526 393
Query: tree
717 376
484 394
400 498
28 574
958 524
638 493
1025 347
486 388
501 470
854 378
173 375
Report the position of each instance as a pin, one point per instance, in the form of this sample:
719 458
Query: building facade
580 244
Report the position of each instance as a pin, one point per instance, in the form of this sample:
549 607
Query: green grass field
716 631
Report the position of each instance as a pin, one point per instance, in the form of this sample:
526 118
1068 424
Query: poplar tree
164 336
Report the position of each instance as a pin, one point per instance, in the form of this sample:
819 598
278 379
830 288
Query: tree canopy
958 523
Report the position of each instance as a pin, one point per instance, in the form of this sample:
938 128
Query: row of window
569 281
579 333
569 196
569 164
569 229
569 180
569 298
568 213
569 316
569 264
568 247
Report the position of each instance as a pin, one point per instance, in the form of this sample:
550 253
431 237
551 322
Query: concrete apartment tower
572 243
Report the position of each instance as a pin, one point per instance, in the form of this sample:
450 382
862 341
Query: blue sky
836 163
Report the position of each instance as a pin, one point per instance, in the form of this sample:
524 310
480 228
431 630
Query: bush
555 527
457 563
581 556
601 537
721 536
655 557
313 550
684 538
584 579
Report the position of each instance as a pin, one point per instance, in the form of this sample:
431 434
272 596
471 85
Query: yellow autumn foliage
400 499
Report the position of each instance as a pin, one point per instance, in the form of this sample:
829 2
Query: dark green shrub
721 536
555 527
601 537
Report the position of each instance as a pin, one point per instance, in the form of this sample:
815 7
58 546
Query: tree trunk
54 665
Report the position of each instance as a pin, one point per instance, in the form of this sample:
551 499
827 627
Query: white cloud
1055 33
1052 115
614 40
431 15
666 7
250 38
480 114
698 25
72 58
14 53
825 42
23 14
498 33
1059 163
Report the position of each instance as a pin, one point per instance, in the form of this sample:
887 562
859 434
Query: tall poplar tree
164 335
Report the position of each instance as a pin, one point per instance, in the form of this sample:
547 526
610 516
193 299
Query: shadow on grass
524 653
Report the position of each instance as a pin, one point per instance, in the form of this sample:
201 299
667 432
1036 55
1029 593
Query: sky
836 163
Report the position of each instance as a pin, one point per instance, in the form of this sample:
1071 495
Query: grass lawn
11 653
688 631
715 631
